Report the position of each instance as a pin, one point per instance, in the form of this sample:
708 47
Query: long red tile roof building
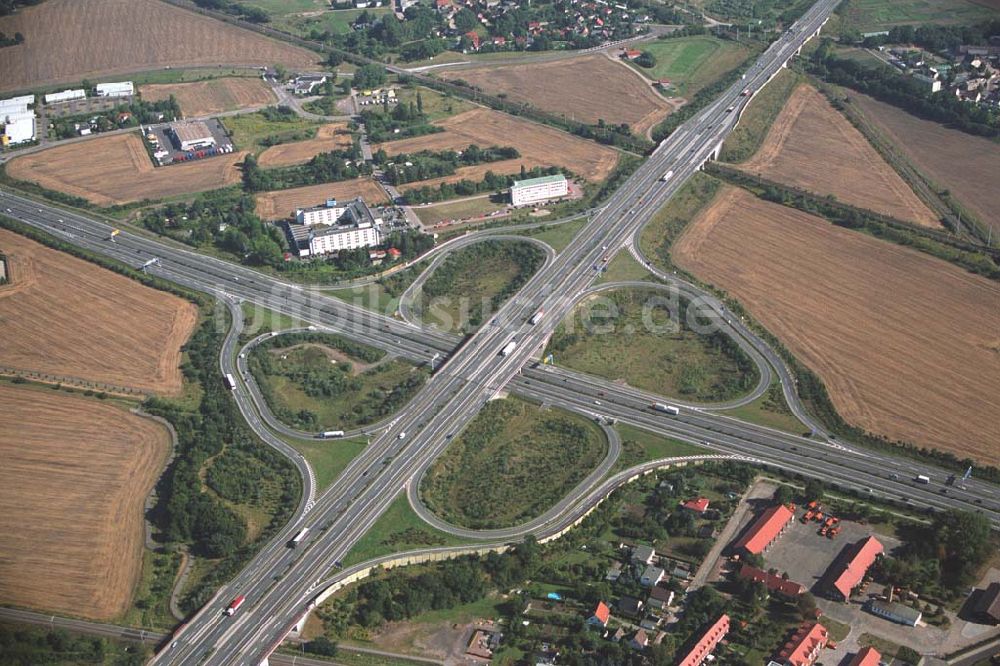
764 530
775 584
696 655
804 647
868 656
847 571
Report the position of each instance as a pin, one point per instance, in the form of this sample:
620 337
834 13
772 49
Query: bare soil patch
907 345
588 89
814 147
112 170
70 40
73 485
69 318
329 137
539 145
967 165
282 203
204 98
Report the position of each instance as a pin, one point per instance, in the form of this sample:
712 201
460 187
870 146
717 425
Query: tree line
491 182
329 167
237 9
427 164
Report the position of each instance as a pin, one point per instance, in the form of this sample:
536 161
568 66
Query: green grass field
669 222
691 63
302 17
512 462
472 283
558 235
459 210
623 267
769 410
632 335
639 446
748 136
328 457
250 129
315 386
258 319
396 530
872 15
436 106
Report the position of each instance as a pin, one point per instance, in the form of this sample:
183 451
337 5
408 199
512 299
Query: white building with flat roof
328 213
16 104
115 89
533 190
192 136
18 120
66 96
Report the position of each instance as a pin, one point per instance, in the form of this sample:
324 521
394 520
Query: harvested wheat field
967 165
113 170
70 40
538 144
587 88
67 317
281 204
907 345
73 486
205 98
335 136
814 147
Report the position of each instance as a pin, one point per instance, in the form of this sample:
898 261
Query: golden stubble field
907 345
587 88
70 318
111 170
204 98
281 204
539 145
70 40
73 484
334 136
967 165
812 146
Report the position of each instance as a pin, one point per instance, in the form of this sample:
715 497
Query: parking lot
169 153
78 106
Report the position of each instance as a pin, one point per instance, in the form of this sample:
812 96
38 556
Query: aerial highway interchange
280 584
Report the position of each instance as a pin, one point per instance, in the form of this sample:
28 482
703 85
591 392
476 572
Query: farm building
847 570
355 227
116 89
804 646
894 611
868 656
534 190
16 104
305 84
762 533
706 642
192 136
65 96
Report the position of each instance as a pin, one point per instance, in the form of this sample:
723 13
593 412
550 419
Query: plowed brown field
328 137
70 40
112 170
204 98
814 147
70 318
588 89
907 345
73 484
282 203
967 165
538 144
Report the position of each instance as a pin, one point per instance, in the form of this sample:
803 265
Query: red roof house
631 54
804 646
868 656
698 505
473 39
706 643
394 253
601 615
775 584
764 530
847 570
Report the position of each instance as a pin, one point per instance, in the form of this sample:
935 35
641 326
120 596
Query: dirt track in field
111 170
539 145
70 318
73 485
282 203
335 136
70 40
588 88
969 166
814 147
907 345
204 98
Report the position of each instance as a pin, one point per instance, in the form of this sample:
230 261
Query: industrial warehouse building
65 96
18 120
115 89
334 227
192 136
534 190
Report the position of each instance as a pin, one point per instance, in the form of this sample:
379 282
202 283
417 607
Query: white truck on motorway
665 177
537 317
230 382
508 348
666 409
922 478
297 539
328 434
